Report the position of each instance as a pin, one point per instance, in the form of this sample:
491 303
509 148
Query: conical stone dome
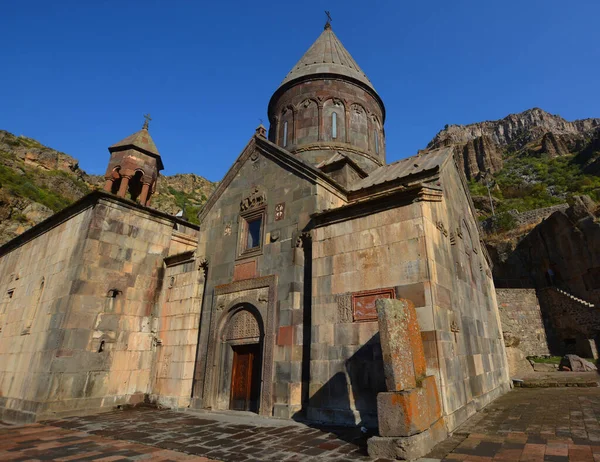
326 105
327 55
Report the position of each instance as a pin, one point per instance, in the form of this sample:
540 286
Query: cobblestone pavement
225 437
548 424
46 442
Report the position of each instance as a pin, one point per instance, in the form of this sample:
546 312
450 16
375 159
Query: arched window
116 184
334 125
376 134
285 133
135 185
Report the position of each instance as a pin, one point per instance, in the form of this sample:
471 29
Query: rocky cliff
484 146
37 181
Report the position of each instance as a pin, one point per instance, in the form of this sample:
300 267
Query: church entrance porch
245 378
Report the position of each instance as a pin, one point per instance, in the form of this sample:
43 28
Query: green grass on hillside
27 186
527 183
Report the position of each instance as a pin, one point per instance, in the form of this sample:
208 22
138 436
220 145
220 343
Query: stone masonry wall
522 318
35 280
472 361
570 319
178 324
382 250
90 344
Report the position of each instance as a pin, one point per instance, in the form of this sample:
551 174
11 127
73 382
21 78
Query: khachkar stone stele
409 412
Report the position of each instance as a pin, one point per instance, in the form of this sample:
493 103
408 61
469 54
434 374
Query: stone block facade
425 251
79 315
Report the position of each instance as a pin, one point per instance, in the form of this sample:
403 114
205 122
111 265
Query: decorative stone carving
227 231
253 200
357 109
280 211
302 238
275 235
452 238
363 303
440 225
243 325
454 327
344 303
459 231
203 265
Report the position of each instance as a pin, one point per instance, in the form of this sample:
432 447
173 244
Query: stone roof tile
327 55
141 140
404 168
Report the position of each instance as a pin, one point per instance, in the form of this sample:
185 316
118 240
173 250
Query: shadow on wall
349 397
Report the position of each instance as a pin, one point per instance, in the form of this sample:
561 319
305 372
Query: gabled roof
142 141
404 168
279 154
340 158
327 55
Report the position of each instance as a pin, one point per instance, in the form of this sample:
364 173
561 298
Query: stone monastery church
269 305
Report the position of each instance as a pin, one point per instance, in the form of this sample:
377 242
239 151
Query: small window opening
376 141
253 235
112 293
101 347
334 125
285 133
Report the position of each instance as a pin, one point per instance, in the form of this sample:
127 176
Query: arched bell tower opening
135 185
240 350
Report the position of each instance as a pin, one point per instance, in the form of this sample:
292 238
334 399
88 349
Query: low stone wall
530 217
521 317
573 323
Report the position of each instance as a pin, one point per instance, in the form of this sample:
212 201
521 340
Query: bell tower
134 167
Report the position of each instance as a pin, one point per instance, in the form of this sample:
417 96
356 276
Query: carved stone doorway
245 378
241 353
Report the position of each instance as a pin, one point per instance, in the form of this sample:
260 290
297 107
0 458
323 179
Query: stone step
554 384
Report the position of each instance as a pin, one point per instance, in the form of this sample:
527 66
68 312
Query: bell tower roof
327 55
141 141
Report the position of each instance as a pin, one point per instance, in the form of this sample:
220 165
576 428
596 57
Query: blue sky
79 75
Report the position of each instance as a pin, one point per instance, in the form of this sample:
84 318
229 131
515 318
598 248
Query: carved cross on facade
147 121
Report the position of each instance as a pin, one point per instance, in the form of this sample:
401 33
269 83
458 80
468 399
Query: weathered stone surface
544 367
401 344
408 447
574 363
409 412
517 362
522 323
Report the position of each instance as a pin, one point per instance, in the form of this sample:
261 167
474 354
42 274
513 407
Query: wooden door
245 378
